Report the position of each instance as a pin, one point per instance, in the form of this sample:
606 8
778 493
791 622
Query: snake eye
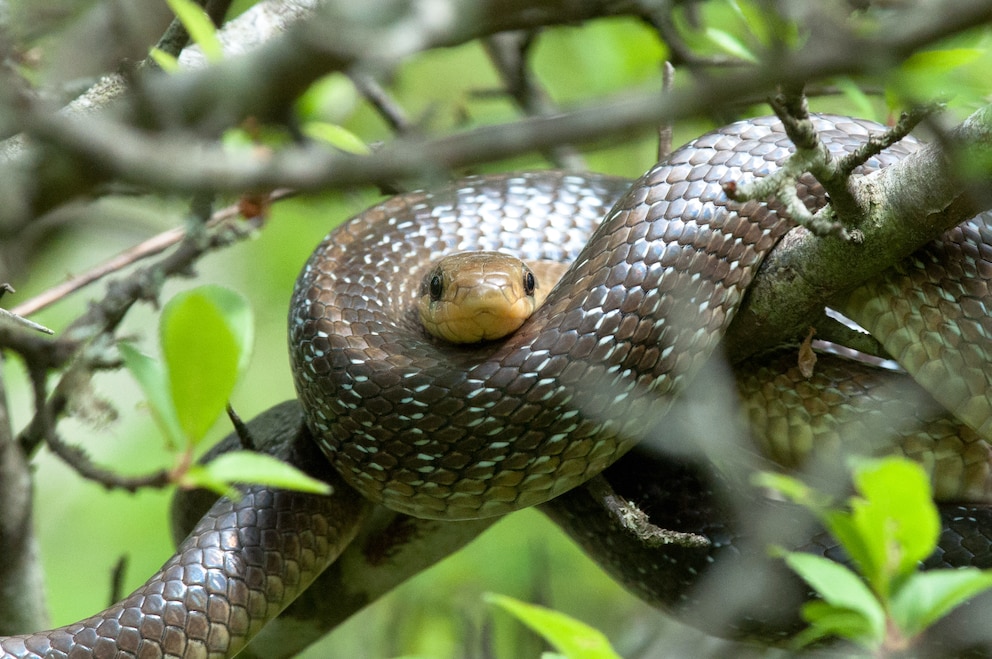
529 283
436 287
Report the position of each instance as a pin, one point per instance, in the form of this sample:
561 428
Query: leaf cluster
205 336
883 602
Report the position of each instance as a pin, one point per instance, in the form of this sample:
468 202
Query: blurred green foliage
883 601
84 529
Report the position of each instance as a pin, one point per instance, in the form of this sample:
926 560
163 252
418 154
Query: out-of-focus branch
508 52
388 108
22 593
263 82
103 317
146 249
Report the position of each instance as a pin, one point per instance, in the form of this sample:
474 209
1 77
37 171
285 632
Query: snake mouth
485 316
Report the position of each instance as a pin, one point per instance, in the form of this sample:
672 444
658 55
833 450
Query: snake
659 268
471 297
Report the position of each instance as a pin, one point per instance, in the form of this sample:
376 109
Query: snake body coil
457 433
451 432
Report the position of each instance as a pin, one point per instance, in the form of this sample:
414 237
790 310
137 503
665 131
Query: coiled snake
449 432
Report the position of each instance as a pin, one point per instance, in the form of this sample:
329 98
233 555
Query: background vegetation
83 529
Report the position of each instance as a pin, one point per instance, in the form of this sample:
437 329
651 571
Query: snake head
478 296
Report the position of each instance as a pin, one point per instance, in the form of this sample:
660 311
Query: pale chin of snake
454 433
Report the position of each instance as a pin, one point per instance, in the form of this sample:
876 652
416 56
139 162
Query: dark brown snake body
445 432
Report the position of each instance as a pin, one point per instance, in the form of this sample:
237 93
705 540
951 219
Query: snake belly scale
435 431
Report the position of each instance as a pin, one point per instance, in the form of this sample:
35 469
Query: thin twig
151 247
117 580
43 425
812 156
20 320
634 521
665 131
387 107
875 144
508 51
101 320
80 461
240 429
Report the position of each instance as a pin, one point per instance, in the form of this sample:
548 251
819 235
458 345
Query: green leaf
926 597
768 27
332 99
955 74
166 61
941 61
827 620
201 29
206 335
155 385
866 552
897 516
250 467
791 488
730 44
337 136
841 588
857 97
574 639
892 526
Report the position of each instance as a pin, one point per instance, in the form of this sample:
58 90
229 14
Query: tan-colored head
478 296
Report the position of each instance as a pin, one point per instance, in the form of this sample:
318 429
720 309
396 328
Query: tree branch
911 203
262 84
22 592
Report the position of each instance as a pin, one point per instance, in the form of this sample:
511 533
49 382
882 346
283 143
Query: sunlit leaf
206 335
865 108
941 61
897 511
574 639
166 61
926 597
249 467
201 29
337 136
330 99
154 384
792 489
730 44
866 549
956 75
827 620
612 54
841 588
765 25
892 525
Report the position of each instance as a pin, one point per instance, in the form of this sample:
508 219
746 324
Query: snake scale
451 432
